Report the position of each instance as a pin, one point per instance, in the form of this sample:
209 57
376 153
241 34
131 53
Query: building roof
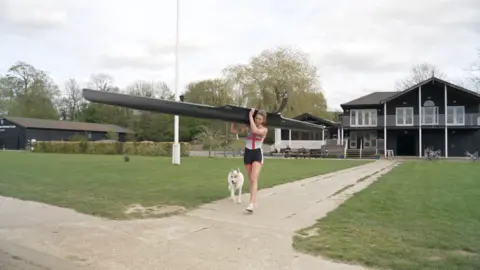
371 99
316 119
433 80
65 125
377 98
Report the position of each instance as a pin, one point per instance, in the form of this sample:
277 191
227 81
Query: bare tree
474 78
150 89
72 102
103 82
418 74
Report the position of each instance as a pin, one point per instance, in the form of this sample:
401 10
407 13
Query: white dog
235 182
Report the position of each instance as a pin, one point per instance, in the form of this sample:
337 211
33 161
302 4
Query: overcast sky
358 46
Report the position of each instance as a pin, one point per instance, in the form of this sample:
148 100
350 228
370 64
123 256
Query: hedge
110 148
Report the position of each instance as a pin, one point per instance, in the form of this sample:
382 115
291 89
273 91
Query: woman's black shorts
253 155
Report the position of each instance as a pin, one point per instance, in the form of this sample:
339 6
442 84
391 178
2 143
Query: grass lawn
106 185
422 215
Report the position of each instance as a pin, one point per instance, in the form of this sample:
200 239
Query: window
404 116
429 115
363 118
456 115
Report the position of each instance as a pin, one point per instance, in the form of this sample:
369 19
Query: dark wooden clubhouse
434 113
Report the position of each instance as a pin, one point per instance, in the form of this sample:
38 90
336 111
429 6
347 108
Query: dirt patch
464 253
308 233
153 211
459 252
435 258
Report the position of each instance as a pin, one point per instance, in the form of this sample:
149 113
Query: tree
103 113
6 96
474 78
211 139
150 126
102 82
152 89
262 81
29 92
112 135
335 115
419 73
215 92
72 103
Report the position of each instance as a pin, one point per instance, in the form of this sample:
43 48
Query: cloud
358 46
363 57
145 55
30 16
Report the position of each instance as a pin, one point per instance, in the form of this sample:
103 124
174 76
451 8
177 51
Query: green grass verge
422 215
106 185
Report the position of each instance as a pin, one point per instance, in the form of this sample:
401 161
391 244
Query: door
367 140
370 139
353 139
406 145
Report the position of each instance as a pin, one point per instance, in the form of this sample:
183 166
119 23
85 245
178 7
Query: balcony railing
469 120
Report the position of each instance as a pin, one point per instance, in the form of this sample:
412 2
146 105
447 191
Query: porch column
446 128
278 138
420 121
323 135
342 136
385 129
290 138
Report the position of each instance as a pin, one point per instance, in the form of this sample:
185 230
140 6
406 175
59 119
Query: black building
434 113
16 132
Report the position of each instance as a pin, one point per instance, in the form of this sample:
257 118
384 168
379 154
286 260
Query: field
106 185
422 215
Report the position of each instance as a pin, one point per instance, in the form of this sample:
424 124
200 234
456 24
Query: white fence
295 144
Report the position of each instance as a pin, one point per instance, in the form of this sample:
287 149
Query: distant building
16 132
433 114
308 139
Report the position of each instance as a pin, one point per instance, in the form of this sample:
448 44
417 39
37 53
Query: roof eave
432 79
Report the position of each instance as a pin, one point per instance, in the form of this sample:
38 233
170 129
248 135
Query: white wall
300 144
279 144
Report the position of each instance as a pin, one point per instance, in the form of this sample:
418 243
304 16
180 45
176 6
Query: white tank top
253 141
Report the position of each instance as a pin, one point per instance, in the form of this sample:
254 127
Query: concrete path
219 235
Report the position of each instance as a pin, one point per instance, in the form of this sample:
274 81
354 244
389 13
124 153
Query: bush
110 148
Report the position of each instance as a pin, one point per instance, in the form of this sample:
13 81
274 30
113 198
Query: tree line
27 91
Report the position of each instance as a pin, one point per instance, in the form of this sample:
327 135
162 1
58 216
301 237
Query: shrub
110 148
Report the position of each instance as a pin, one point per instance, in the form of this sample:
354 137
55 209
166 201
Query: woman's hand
252 111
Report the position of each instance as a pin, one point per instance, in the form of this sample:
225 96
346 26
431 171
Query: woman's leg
248 169
255 173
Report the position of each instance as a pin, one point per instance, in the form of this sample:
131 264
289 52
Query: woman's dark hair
263 113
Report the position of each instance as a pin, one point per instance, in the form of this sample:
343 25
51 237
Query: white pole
278 138
289 138
385 129
176 144
420 122
446 124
